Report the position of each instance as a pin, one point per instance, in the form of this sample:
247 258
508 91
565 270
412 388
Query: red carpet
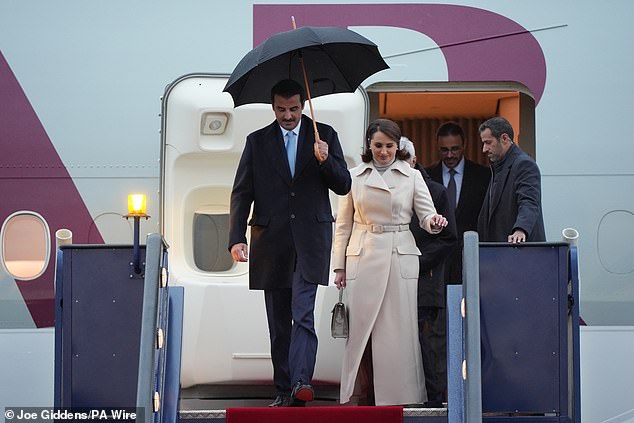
315 415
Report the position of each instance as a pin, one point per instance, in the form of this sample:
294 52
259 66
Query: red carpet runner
315 415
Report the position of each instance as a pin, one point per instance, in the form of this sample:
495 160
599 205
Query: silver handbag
339 321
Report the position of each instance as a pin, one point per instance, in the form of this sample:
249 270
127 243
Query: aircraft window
211 236
26 244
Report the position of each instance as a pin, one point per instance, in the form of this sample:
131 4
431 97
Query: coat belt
378 229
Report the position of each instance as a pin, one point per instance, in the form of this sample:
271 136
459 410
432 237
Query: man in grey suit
286 171
512 208
466 193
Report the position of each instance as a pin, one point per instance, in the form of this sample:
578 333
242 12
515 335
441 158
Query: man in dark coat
435 250
286 174
470 181
512 208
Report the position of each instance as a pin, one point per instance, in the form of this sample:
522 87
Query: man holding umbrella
285 172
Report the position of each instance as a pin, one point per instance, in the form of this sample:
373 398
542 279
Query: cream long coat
381 279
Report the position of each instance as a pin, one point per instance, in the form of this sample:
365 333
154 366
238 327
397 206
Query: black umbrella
335 60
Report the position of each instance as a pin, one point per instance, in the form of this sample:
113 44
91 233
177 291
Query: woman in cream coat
376 258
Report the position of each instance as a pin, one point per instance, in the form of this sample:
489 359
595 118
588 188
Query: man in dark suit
470 181
286 171
435 249
512 208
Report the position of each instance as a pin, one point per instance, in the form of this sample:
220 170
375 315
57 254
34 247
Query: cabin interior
421 109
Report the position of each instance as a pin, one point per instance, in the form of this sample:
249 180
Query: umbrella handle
310 101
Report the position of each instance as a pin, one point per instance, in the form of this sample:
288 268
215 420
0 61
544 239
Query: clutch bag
339 321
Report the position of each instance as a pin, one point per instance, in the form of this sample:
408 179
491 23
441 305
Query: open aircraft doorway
420 108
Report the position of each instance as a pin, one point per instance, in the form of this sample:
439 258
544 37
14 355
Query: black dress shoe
303 392
281 401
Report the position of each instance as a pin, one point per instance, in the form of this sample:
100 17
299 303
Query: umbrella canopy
336 60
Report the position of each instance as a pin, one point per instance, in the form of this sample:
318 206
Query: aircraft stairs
118 342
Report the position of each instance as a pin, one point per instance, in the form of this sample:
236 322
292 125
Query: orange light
137 205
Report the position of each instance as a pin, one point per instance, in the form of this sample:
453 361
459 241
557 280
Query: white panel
607 374
27 367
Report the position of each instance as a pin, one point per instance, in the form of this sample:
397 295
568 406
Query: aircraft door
225 337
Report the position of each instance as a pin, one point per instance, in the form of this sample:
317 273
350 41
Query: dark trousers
290 314
432 334
453 266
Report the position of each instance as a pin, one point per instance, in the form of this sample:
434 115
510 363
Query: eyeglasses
454 150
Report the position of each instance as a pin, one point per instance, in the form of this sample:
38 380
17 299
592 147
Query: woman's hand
340 278
438 221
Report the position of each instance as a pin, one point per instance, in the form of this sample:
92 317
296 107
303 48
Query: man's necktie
291 150
451 189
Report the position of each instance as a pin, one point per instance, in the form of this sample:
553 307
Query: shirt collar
459 167
295 130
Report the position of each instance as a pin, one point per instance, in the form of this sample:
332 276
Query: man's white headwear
407 145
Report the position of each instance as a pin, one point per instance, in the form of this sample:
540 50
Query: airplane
101 101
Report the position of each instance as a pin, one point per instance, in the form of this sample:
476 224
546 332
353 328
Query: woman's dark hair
389 128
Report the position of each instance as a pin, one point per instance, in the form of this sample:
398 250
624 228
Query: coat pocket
325 217
408 261
353 257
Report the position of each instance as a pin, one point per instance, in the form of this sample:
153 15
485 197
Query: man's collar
295 130
459 167
512 151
